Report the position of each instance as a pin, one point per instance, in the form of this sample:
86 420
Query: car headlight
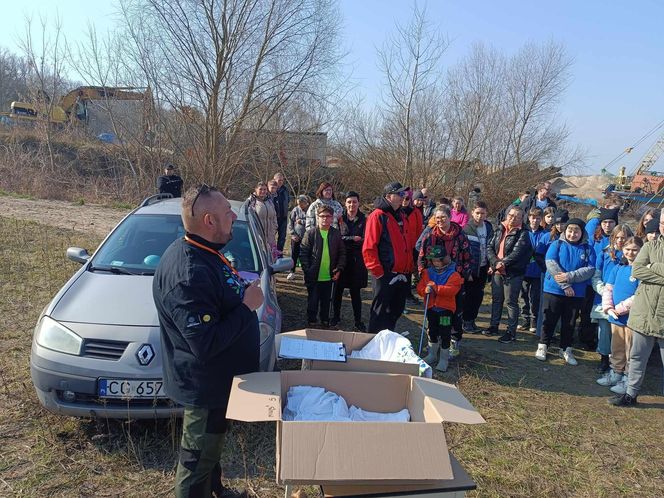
50 334
266 331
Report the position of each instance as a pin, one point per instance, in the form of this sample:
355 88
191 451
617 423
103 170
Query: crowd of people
552 273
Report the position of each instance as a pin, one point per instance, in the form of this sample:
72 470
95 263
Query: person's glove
399 278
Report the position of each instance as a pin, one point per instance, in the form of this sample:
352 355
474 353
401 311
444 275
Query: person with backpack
617 298
441 283
570 264
323 257
388 255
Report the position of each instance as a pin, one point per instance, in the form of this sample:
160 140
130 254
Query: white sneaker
532 329
541 352
610 378
620 387
290 276
568 356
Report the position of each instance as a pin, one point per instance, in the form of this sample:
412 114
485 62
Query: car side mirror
281 265
78 254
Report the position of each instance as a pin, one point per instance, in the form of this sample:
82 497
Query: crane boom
651 157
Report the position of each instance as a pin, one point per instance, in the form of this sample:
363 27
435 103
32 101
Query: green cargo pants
198 472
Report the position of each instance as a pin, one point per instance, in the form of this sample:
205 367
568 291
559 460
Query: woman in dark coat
355 275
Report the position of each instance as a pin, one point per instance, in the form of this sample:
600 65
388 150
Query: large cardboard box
353 341
357 452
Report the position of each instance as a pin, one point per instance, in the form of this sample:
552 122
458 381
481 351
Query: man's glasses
325 216
203 189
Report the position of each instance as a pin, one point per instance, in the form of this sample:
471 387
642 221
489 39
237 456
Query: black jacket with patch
207 334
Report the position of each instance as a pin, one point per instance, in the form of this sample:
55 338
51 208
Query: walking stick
424 323
329 308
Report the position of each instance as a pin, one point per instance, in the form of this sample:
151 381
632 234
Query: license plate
119 388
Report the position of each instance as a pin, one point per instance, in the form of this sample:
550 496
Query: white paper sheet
312 350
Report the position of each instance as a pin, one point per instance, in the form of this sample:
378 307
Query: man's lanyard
217 253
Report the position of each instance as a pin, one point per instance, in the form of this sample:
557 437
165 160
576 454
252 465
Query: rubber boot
604 364
431 358
443 361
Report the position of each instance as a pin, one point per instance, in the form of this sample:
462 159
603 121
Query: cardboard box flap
361 452
255 397
447 402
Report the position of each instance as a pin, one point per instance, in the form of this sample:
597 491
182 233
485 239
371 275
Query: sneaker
290 276
507 338
312 323
540 354
413 300
620 387
568 356
623 400
324 324
490 331
610 378
525 323
334 322
470 327
454 348
604 364
533 325
406 312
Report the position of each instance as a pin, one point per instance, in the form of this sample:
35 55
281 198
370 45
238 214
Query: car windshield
136 246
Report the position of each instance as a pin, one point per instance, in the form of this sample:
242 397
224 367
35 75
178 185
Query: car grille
104 350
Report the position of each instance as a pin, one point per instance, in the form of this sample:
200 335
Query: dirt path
83 218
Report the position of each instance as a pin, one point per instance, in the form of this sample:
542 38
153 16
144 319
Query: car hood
106 298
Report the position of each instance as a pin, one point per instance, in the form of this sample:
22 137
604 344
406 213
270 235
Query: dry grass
549 431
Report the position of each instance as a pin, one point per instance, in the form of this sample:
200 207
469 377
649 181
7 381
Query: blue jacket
624 287
539 239
591 226
600 245
605 265
576 259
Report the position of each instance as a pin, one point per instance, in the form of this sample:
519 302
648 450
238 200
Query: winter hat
560 216
578 222
394 188
652 226
608 214
303 198
417 195
436 252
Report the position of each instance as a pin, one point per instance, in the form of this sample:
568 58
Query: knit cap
578 222
560 216
608 214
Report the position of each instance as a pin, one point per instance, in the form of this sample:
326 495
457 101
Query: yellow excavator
72 107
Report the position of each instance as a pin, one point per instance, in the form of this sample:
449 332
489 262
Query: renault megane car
96 346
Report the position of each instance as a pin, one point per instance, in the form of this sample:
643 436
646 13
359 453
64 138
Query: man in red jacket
388 255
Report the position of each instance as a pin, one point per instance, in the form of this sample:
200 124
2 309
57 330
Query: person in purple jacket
570 264
617 298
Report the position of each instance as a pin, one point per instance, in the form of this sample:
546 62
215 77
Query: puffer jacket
517 253
647 313
577 260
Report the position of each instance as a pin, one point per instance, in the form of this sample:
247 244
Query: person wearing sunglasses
209 334
388 255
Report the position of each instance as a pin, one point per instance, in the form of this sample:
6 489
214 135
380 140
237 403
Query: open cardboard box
353 341
357 452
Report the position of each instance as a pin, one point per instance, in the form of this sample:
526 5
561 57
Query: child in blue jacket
570 264
531 286
617 298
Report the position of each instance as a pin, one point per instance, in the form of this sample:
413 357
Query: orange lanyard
221 256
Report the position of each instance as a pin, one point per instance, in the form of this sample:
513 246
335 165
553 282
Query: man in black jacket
281 202
169 182
509 253
323 258
209 334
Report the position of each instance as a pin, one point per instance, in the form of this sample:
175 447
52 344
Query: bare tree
238 62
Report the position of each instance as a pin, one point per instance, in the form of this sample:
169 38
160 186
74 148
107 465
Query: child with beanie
570 264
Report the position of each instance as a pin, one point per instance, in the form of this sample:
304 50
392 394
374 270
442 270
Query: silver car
96 347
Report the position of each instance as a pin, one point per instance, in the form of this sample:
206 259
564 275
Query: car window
139 242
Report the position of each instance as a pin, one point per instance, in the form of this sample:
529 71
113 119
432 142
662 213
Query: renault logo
145 354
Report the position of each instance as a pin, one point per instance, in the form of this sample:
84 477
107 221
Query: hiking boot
290 276
443 361
507 338
455 346
432 356
623 400
540 354
621 386
568 356
610 378
360 327
533 325
490 331
604 364
470 327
